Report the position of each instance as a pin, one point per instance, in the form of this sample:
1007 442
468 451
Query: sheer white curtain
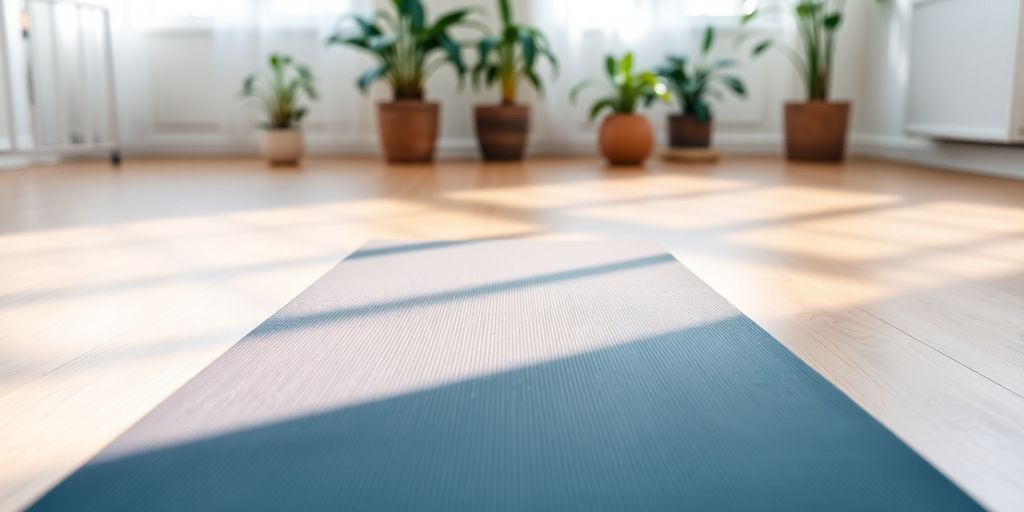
181 64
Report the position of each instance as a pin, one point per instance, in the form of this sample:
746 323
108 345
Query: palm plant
511 56
625 89
404 44
817 22
279 92
691 82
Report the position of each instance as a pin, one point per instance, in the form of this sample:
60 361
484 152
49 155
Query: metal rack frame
63 147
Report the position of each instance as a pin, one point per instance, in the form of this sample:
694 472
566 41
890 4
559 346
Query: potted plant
279 94
625 137
403 43
815 129
691 82
508 58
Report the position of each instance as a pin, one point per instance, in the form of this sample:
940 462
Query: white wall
882 107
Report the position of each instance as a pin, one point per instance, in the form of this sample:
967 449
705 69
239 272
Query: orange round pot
502 130
408 130
816 130
626 139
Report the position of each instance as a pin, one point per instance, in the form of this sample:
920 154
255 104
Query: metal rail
38 49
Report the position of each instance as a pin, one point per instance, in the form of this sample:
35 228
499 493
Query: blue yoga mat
508 375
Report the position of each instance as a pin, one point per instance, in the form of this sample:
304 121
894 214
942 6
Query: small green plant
692 81
511 57
279 93
817 22
404 44
625 89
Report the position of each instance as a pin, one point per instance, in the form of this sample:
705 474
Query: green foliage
512 56
407 47
692 82
279 92
625 89
818 22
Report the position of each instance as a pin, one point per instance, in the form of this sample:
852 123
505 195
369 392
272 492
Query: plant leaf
534 80
578 88
725 63
248 85
626 65
600 105
762 46
709 39
808 8
484 48
832 21
361 42
610 67
529 49
749 16
413 10
506 12
448 20
370 76
734 84
545 49
702 111
454 53
367 26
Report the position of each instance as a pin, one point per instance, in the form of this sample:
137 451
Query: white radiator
57 79
966 70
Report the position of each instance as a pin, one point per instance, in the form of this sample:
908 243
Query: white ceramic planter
283 146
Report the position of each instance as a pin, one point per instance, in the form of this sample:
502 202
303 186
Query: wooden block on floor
690 155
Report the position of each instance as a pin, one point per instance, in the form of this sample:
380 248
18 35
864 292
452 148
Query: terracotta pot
502 130
626 139
686 131
816 130
408 130
282 146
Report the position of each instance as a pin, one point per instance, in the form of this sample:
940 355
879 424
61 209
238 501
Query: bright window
198 13
724 8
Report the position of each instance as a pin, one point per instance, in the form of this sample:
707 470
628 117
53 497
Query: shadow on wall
714 417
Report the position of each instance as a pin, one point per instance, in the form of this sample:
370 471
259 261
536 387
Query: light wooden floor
904 286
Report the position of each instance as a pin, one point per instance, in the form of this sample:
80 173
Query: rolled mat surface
508 375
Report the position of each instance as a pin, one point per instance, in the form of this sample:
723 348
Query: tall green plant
511 56
408 48
817 23
625 90
692 81
279 93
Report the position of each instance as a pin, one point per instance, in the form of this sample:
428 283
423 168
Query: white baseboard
988 159
584 144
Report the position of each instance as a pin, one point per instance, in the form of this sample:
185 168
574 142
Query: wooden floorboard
904 286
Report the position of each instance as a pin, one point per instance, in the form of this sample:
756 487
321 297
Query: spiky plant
693 81
511 57
408 48
818 22
279 92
